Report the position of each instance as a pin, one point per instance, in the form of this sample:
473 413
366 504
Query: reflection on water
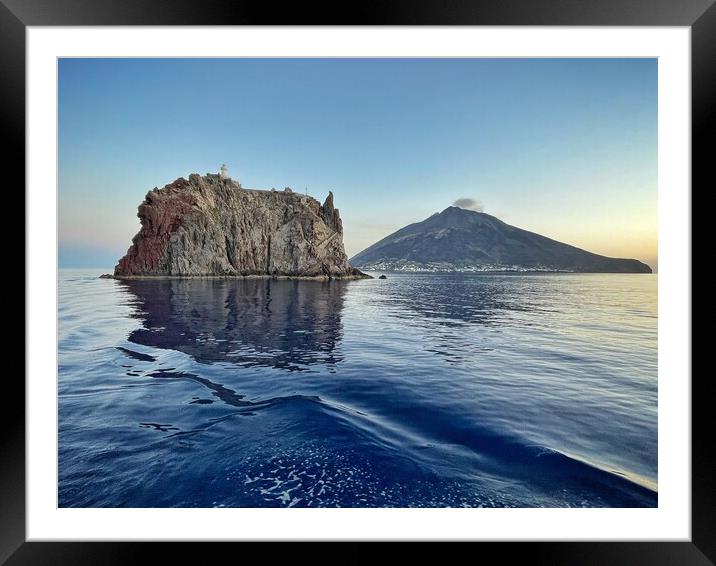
286 324
488 300
451 305
455 313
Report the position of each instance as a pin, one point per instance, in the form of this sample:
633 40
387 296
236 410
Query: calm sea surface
418 390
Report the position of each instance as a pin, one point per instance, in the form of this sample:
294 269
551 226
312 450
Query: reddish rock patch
161 214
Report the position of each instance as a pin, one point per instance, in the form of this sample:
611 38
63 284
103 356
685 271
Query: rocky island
210 226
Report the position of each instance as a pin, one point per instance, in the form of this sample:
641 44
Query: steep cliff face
207 225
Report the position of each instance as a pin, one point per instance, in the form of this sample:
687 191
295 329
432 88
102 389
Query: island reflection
284 324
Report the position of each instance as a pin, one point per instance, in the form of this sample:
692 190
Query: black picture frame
16 15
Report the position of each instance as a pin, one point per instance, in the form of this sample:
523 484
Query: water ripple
420 390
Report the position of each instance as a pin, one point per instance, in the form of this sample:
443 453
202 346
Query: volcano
458 239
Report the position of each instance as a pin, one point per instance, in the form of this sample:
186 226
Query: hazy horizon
566 148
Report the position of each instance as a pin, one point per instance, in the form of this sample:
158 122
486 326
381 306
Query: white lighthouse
224 172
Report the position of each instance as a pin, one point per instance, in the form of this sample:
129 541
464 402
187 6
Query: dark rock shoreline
357 274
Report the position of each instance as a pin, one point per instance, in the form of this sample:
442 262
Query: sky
566 148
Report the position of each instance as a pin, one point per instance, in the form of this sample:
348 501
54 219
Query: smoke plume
469 204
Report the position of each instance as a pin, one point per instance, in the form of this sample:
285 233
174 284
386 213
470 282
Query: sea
418 390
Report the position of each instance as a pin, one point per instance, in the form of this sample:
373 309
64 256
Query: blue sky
563 147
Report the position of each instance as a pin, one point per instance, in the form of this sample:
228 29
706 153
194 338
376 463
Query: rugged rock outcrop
210 226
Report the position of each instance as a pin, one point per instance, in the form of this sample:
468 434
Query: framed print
422 275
